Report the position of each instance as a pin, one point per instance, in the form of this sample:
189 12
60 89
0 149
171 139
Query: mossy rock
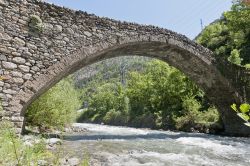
36 24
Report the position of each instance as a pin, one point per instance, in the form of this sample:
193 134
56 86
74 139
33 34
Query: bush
235 57
209 116
190 116
56 108
115 118
193 117
108 104
36 24
146 120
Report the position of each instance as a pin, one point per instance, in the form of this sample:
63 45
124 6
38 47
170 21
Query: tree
229 37
56 108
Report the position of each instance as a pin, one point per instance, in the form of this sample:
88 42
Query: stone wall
42 43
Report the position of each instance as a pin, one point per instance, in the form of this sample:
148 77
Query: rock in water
54 141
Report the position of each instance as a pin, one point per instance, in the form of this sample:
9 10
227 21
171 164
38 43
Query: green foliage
13 150
247 66
161 90
243 112
108 104
235 57
85 161
36 24
55 108
112 70
229 37
191 113
244 108
114 117
154 97
214 36
193 116
238 17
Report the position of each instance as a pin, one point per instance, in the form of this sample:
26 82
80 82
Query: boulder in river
54 141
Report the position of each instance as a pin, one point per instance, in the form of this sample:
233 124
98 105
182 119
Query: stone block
9 65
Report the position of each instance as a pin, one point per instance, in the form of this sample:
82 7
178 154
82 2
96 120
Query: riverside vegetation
146 93
229 36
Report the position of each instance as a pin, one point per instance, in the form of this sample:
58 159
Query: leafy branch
243 112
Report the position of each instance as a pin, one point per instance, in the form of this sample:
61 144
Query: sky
182 16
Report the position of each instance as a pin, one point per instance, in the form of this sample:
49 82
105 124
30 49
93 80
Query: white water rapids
123 146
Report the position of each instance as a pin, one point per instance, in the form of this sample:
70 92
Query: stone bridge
41 43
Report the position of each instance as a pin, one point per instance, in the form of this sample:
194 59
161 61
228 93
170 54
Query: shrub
55 108
146 120
115 118
13 150
193 116
36 24
235 57
107 104
208 116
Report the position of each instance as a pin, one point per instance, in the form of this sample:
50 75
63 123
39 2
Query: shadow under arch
193 60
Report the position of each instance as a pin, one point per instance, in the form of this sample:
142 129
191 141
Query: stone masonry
41 43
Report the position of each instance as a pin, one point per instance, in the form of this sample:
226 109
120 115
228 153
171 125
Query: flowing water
123 146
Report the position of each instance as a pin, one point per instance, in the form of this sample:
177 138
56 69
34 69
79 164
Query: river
123 146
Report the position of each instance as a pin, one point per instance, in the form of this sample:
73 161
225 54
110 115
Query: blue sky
182 16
